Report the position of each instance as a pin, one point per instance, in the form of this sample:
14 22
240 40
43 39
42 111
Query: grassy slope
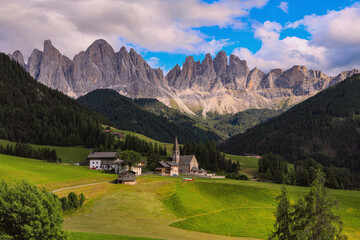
161 207
67 154
101 236
49 175
169 146
225 207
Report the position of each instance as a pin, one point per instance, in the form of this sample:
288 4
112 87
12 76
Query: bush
81 199
237 176
27 212
64 203
73 201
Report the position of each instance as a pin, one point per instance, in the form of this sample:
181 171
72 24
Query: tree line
209 157
27 151
275 168
131 143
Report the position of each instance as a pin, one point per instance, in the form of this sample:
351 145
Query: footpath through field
62 189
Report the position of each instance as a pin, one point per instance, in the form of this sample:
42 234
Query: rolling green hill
67 154
49 175
324 127
33 113
161 207
127 115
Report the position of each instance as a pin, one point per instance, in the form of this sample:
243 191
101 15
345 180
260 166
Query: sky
322 34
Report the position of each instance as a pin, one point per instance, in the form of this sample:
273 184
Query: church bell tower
176 152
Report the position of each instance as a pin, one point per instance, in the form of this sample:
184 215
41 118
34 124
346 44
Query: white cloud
284 6
157 25
334 45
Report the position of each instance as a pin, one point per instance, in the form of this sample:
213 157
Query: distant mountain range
213 85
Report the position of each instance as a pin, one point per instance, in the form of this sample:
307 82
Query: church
186 163
179 164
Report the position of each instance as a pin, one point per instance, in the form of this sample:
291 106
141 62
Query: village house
167 168
102 160
106 161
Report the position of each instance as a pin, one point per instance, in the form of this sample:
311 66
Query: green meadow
49 175
67 154
168 207
101 236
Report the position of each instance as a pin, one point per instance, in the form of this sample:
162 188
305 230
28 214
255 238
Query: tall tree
129 157
313 216
283 221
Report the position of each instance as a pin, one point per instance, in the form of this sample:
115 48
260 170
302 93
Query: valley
166 205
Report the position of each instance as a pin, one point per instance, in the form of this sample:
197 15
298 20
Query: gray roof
172 163
118 161
186 159
127 176
164 164
194 168
101 155
202 170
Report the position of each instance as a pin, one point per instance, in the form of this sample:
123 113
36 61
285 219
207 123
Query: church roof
186 159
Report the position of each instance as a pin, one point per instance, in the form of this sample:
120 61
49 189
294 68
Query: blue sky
245 37
268 34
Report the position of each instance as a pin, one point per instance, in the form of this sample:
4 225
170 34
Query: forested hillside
125 114
325 127
225 125
33 113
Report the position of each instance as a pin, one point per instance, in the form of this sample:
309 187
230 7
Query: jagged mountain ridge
213 85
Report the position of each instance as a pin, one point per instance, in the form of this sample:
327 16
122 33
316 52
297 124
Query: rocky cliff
223 84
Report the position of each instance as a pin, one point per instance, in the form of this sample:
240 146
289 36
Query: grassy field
49 175
166 208
101 236
67 154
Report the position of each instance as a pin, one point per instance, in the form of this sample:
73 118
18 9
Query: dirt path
61 189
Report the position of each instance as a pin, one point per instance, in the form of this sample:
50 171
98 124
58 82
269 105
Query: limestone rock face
33 65
17 56
223 84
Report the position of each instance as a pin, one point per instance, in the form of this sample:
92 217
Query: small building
167 168
119 135
127 177
101 160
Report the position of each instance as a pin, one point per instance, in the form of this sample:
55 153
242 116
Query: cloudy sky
323 34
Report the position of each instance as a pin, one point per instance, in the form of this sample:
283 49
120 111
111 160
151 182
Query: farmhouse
167 168
102 160
106 161
187 163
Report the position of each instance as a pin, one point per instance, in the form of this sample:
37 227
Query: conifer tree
283 221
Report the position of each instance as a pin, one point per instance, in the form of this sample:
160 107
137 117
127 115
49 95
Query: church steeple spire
176 151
